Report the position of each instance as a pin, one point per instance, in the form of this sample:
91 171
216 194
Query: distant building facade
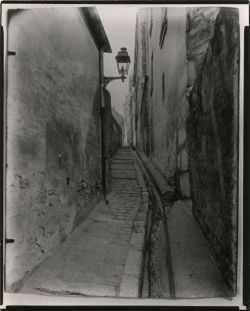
171 71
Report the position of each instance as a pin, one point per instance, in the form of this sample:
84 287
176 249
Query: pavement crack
60 293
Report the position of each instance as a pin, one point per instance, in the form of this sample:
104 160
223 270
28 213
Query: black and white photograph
123 158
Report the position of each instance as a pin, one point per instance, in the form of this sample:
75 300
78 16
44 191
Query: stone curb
132 275
167 192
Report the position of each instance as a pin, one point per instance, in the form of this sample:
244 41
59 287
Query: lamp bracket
107 80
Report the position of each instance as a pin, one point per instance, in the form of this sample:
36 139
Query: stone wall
53 133
116 137
113 137
213 142
128 119
140 73
121 125
127 113
200 30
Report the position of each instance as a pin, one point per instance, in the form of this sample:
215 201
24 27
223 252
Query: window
152 74
188 23
151 22
164 26
163 85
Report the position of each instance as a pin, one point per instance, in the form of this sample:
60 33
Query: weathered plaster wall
168 112
213 142
53 133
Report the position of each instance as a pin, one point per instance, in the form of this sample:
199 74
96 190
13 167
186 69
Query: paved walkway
103 256
196 274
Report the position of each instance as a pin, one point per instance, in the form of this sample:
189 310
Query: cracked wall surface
53 134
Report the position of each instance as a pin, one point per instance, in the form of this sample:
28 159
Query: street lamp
123 61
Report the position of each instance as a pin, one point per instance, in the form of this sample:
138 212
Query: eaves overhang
93 21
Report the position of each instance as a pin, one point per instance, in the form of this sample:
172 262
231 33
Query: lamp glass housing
123 61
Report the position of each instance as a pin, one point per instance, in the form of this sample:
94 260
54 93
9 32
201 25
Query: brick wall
213 142
53 133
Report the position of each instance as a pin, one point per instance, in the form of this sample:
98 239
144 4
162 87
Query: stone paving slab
132 274
122 161
94 254
122 166
123 174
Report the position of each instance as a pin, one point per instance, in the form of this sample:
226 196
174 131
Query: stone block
133 262
184 160
185 184
139 223
179 161
191 72
129 286
144 207
182 135
137 240
145 196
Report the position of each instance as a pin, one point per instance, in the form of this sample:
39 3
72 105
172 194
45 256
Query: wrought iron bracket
107 80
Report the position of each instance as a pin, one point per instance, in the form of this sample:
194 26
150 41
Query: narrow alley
122 152
115 266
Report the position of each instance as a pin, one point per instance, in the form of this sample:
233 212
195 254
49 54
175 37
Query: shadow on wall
212 134
59 197
89 187
72 168
113 137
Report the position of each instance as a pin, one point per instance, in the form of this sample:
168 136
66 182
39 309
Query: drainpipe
102 117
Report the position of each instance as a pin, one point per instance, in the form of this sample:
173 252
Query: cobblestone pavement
103 256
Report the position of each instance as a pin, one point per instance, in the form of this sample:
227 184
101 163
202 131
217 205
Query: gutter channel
155 198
